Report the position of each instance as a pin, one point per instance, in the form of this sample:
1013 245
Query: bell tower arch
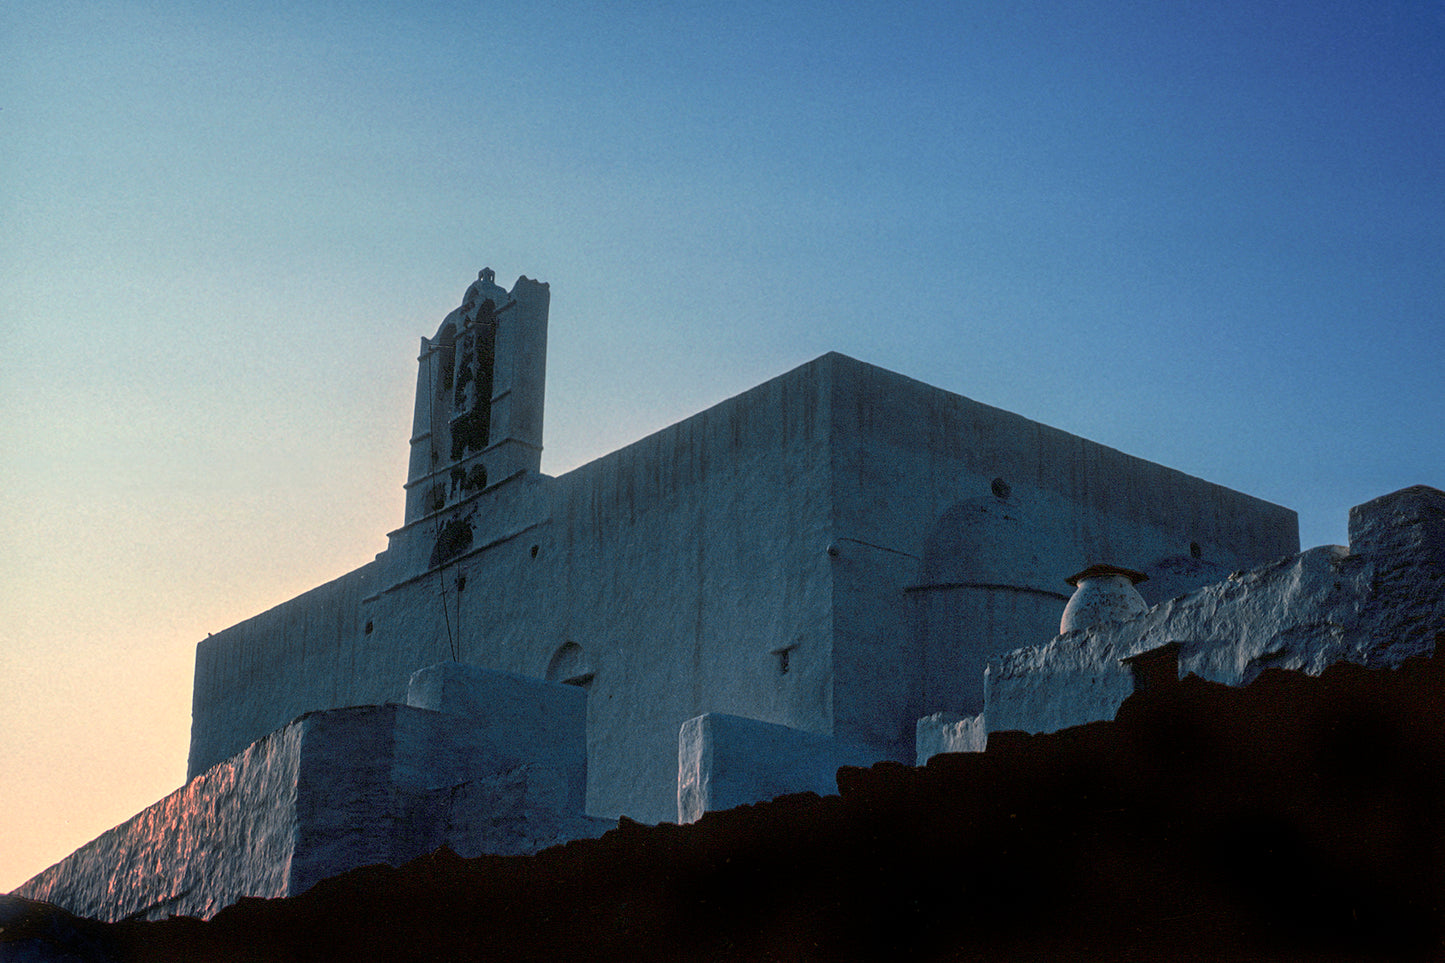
479 395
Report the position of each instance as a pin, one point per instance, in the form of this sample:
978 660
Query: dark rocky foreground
1296 819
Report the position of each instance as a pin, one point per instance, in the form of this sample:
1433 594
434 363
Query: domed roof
991 540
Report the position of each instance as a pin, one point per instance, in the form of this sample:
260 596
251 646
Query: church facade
838 551
841 565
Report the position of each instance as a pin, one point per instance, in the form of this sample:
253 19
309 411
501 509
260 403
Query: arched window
446 361
570 666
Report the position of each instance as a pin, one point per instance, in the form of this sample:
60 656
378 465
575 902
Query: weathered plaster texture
227 833
945 732
249 685
828 551
725 761
338 789
1376 604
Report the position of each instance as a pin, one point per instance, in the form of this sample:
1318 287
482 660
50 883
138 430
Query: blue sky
1210 235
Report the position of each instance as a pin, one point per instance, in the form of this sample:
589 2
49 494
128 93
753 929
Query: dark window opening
470 431
454 539
472 401
1001 488
1195 550
447 339
368 628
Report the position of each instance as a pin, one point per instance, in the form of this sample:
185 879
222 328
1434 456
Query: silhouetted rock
1296 818
33 932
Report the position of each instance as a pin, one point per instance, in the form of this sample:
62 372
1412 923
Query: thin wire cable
431 427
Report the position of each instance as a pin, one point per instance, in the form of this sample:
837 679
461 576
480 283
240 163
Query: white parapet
725 761
1377 603
948 732
487 762
521 719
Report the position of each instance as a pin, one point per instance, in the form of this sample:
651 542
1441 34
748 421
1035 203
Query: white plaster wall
343 788
945 732
1376 604
260 674
959 629
686 560
725 761
227 833
904 455
793 516
521 720
520 376
679 565
386 784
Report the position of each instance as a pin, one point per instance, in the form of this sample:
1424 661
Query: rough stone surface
945 732
515 813
344 788
235 690
227 833
725 761
1375 604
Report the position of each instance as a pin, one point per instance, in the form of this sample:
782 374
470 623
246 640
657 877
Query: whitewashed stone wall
344 788
1376 603
764 559
227 833
945 732
725 761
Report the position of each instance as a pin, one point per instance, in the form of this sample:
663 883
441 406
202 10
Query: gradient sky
1211 235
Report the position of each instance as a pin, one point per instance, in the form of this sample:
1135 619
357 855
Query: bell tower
479 395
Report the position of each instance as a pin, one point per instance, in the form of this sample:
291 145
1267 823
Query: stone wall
1376 603
229 832
496 764
257 675
945 732
725 761
670 574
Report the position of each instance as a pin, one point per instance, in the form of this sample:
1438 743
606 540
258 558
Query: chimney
1155 670
1102 593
